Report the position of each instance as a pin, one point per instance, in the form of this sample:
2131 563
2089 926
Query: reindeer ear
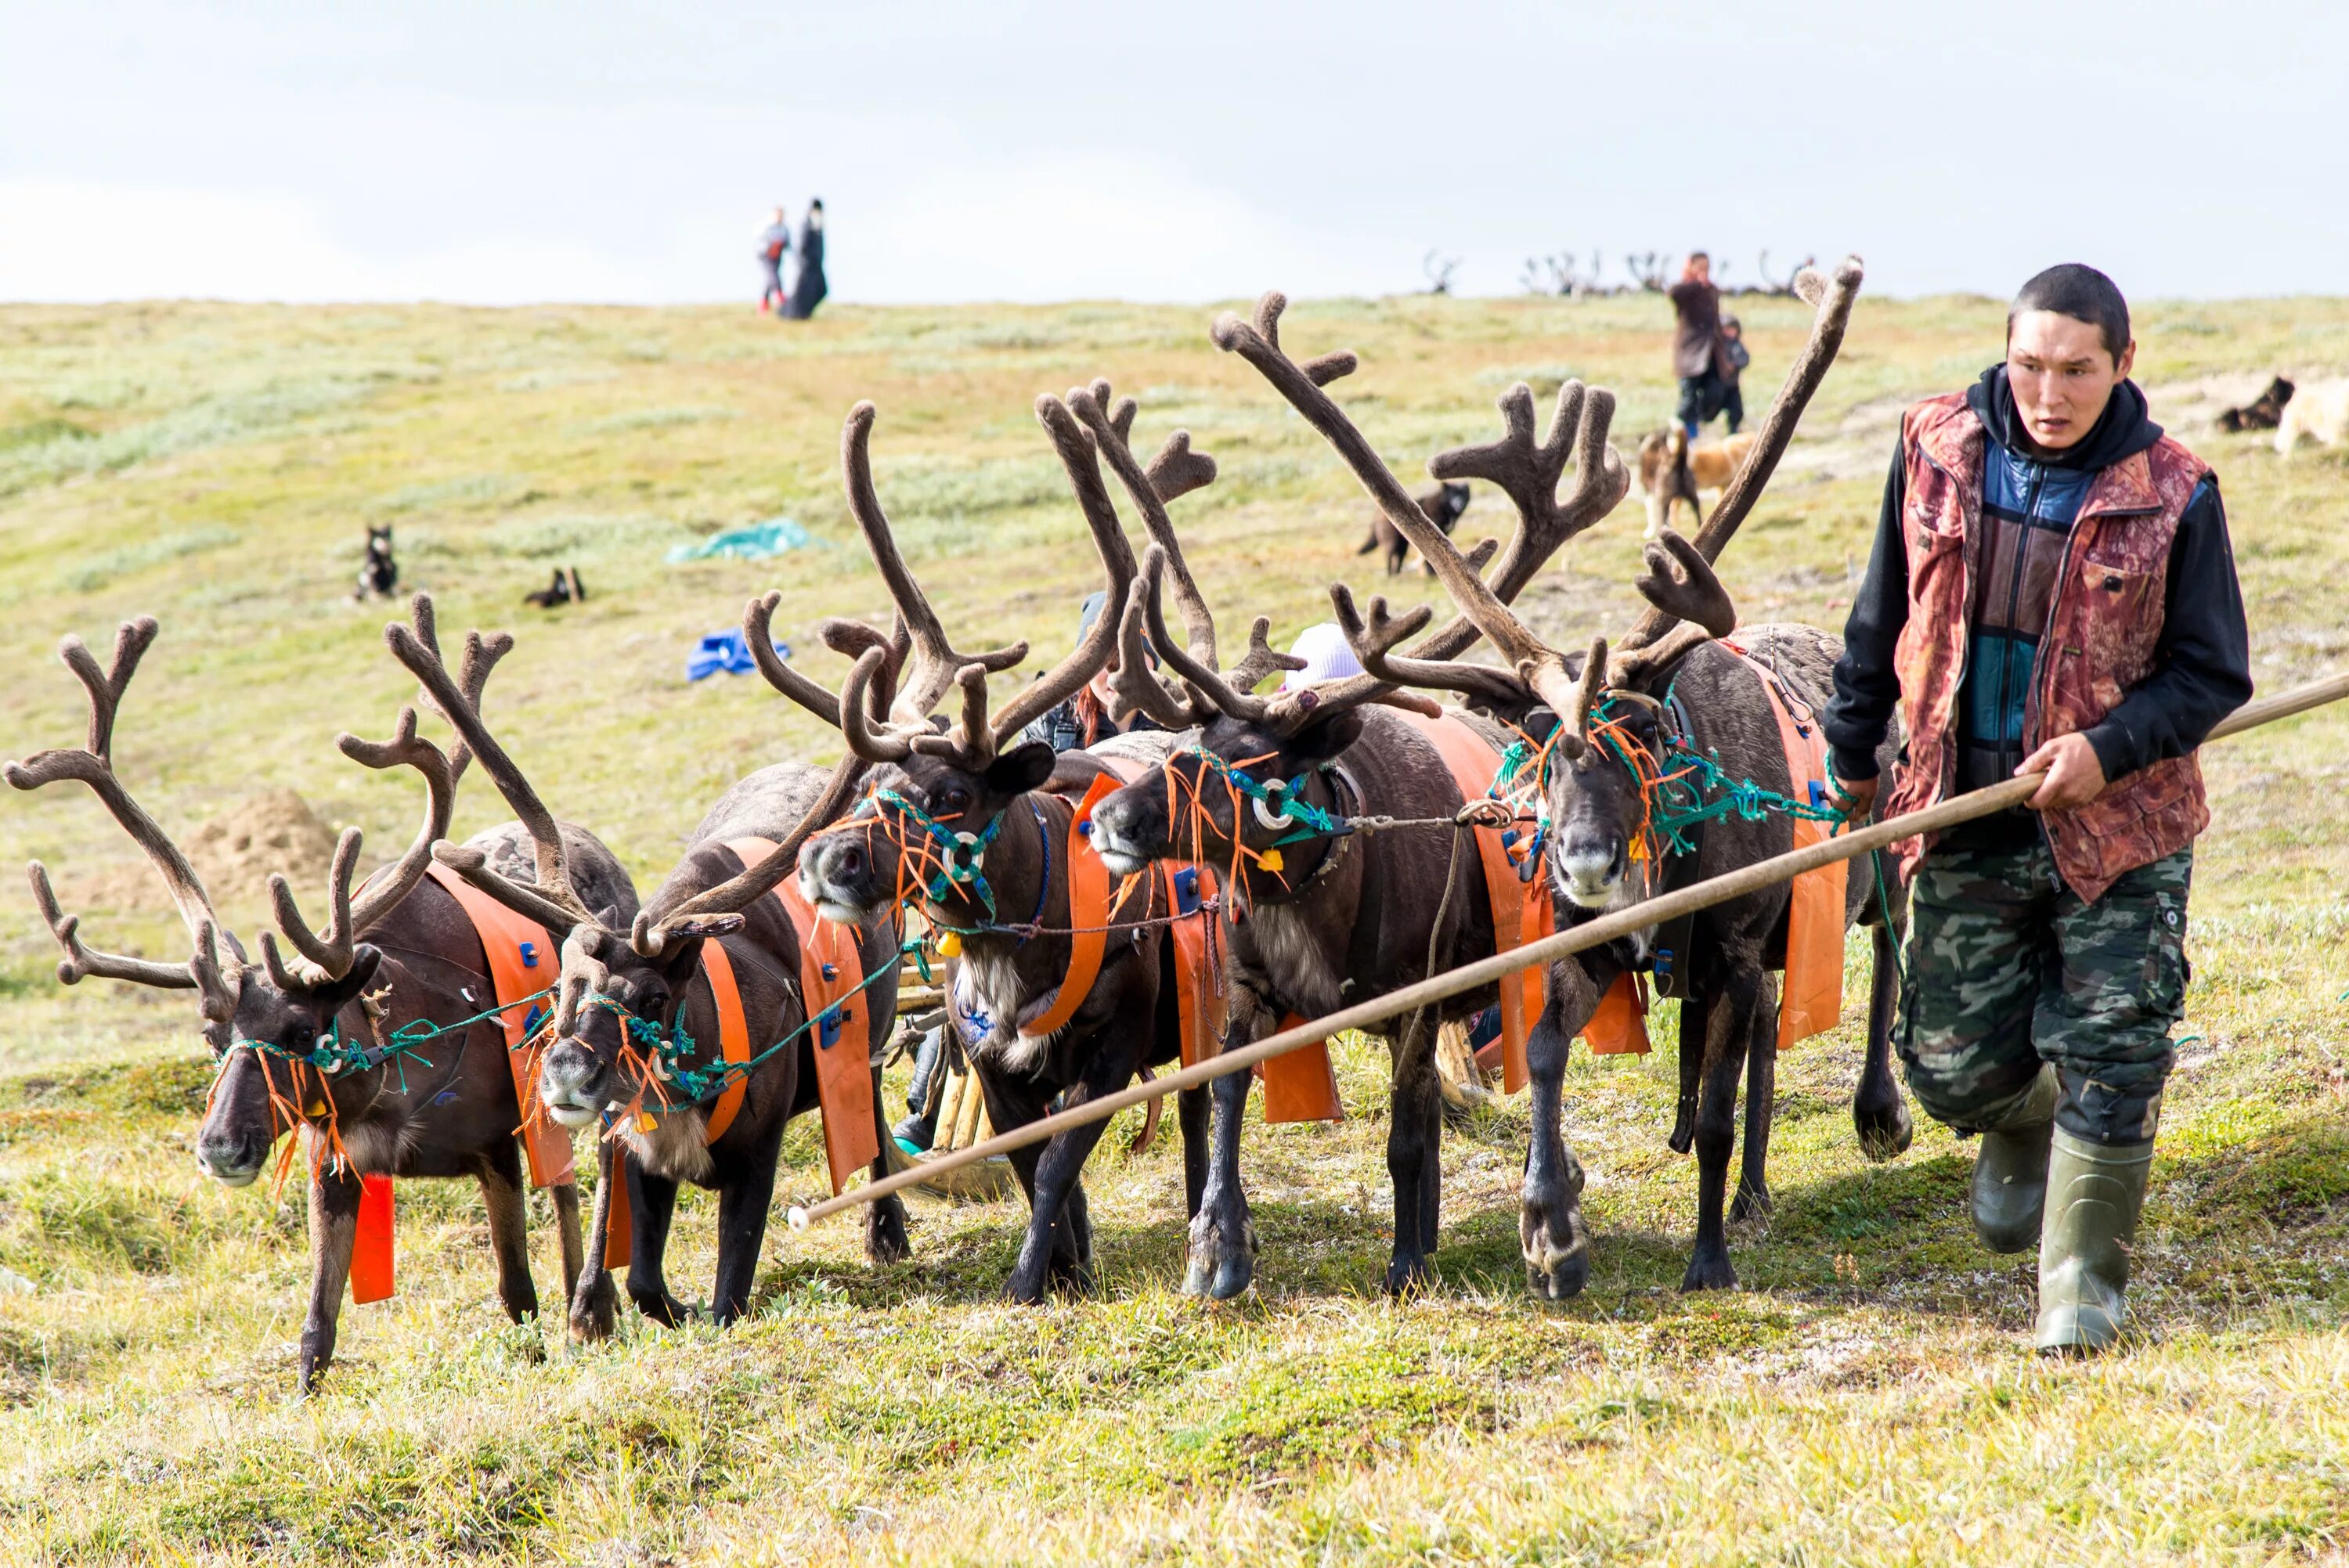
1321 742
1020 770
336 994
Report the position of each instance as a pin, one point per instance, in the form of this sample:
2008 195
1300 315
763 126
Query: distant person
1734 359
809 288
1698 354
773 240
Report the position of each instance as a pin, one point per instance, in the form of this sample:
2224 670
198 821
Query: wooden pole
1590 933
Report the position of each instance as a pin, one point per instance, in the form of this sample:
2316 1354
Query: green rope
1277 797
334 1054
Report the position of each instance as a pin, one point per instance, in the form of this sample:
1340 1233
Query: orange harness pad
513 947
831 972
1522 911
1810 1001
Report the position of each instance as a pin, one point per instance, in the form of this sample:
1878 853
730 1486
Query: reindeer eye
954 799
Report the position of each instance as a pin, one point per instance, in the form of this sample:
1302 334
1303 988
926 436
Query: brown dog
1670 469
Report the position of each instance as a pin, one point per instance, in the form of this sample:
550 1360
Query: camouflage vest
2099 641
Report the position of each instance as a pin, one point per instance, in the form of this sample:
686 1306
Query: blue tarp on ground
759 541
727 653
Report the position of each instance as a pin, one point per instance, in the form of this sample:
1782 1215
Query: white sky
501 153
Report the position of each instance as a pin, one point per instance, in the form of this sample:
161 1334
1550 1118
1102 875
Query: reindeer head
1600 719
1253 746
942 797
274 1028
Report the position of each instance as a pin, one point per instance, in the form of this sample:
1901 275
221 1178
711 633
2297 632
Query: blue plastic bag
727 651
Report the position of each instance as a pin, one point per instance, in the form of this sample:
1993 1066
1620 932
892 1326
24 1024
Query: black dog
2264 412
1443 505
379 574
560 590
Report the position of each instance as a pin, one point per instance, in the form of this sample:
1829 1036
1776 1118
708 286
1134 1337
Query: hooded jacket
2112 557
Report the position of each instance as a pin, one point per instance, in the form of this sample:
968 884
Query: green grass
1867 1398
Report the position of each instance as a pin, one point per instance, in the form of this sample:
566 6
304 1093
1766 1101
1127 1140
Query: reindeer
1438 270
1668 683
1336 918
638 1009
292 1039
978 831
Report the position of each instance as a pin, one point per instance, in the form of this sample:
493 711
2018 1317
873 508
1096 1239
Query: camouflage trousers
2008 968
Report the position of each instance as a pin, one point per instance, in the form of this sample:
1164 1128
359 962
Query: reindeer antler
1524 470
348 915
93 765
1831 301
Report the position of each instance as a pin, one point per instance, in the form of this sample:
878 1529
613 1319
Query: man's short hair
2083 294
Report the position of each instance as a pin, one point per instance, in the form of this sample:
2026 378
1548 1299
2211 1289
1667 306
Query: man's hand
2073 778
1855 798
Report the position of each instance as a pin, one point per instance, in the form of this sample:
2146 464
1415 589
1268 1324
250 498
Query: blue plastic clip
533 1019
1187 891
831 972
530 954
827 1027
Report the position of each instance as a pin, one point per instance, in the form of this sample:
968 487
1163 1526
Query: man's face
2062 376
1701 268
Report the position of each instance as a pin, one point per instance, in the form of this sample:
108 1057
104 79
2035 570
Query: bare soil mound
234 852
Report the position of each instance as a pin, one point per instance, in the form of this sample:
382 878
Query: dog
379 573
2264 412
2319 412
561 590
1443 505
1670 469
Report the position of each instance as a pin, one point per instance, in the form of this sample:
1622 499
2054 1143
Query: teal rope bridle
958 853
334 1054
1278 801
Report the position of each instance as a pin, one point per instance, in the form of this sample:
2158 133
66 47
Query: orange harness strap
515 947
1522 911
1619 1026
733 1035
1810 1001
1088 913
831 972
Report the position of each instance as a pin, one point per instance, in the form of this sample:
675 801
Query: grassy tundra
1868 1398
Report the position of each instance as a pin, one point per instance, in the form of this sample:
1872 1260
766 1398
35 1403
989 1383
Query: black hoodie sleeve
1867 686
2202 660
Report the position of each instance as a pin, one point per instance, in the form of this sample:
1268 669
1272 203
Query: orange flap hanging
733 1036
1810 1000
523 961
371 1245
831 973
1088 913
619 1223
1301 1085
1619 1026
1522 911
1199 982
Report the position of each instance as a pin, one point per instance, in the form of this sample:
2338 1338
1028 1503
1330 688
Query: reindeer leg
884 1222
1730 1024
1550 1229
594 1299
500 1174
1191 1113
652 1201
333 1232
1752 1199
1879 1110
1694 1003
1222 1258
567 1228
743 1206
1414 1126
1051 1251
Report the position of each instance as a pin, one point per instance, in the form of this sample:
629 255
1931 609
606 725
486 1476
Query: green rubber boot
2095 1191
2009 1187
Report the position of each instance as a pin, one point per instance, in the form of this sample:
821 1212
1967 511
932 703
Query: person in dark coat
773 240
1699 358
809 288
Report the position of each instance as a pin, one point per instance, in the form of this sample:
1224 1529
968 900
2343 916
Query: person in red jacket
2050 591
773 240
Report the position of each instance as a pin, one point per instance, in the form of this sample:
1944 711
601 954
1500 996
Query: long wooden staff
1591 933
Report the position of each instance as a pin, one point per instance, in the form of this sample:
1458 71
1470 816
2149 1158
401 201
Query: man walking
2051 590
1699 356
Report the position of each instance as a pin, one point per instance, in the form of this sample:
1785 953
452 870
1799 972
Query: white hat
1326 655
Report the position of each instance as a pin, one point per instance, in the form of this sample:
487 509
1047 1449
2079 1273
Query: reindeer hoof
1216 1268
593 1317
1557 1247
1709 1273
662 1308
1407 1277
885 1233
1884 1134
1751 1203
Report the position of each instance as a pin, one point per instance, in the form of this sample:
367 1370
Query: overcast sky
964 151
